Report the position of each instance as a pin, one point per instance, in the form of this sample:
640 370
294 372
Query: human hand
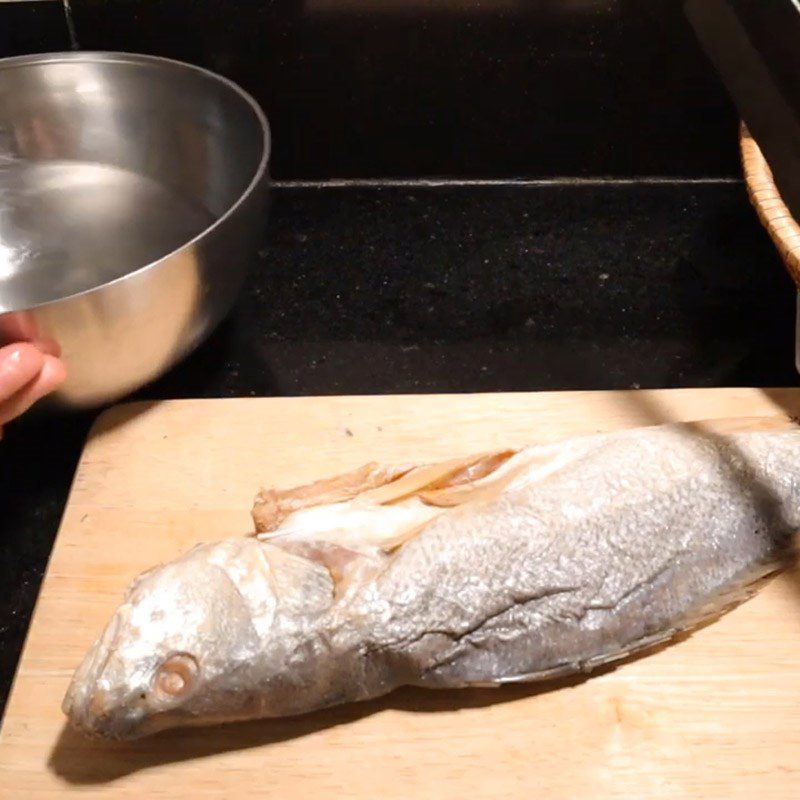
27 373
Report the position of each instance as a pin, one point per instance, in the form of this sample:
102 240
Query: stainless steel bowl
132 194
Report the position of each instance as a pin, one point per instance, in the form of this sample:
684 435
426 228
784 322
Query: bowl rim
122 57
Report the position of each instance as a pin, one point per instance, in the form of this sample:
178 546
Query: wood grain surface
716 715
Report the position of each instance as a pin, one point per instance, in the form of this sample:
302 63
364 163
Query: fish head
184 646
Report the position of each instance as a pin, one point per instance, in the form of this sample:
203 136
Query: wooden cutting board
714 716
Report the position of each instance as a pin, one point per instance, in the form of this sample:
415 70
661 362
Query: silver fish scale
619 547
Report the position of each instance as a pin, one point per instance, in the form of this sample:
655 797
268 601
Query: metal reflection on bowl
132 196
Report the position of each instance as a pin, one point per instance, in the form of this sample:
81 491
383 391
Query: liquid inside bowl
69 226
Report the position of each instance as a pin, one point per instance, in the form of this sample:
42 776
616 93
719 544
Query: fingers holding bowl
26 375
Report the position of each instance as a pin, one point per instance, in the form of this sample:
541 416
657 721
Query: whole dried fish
506 567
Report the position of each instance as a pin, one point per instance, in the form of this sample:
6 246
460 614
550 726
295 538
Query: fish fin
375 485
483 489
272 506
372 531
733 595
587 665
477 477
737 592
430 477
340 561
348 568
540 461
401 537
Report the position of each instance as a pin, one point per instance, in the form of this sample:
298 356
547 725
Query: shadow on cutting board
79 760
82 761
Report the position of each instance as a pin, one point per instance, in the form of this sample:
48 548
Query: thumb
51 375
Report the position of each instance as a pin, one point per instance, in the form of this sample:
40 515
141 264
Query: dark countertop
456 289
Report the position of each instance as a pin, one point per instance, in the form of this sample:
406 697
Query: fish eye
176 676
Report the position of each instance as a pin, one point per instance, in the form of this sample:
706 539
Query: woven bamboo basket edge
767 201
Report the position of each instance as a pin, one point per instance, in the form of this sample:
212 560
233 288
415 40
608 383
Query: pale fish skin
562 558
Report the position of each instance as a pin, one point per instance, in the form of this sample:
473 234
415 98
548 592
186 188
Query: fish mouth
86 703
89 671
97 710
